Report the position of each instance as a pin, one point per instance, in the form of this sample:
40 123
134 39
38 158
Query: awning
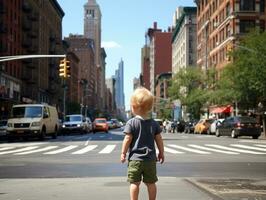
221 109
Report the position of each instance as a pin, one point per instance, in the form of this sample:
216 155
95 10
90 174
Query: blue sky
124 23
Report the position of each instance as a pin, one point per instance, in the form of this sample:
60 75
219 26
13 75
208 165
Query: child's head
141 101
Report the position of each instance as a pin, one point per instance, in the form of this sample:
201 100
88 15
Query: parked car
100 124
116 123
239 126
32 120
111 124
190 126
181 126
203 126
75 123
3 127
213 126
89 124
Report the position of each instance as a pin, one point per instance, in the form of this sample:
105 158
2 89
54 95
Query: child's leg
152 190
134 191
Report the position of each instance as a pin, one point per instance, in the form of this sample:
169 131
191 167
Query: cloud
110 44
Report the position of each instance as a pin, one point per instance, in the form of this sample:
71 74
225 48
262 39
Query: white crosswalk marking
248 147
37 150
85 149
166 149
6 148
61 150
107 149
188 149
210 149
233 149
18 150
260 145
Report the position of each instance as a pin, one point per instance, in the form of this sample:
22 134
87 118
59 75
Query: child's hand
160 158
123 157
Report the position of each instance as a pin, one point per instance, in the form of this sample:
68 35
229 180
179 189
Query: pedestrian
164 125
141 134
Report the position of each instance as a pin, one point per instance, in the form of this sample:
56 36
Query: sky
124 24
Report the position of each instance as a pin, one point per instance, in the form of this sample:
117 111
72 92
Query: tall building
160 53
30 27
84 49
184 38
119 86
110 84
145 66
92 30
221 24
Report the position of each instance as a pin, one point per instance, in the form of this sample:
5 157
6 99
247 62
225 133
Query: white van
32 120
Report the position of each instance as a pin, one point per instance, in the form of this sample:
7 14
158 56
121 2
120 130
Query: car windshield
73 118
100 121
27 111
246 119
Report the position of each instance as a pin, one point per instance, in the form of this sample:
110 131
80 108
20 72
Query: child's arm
159 143
126 142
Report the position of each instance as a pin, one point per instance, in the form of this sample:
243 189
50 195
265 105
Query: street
75 166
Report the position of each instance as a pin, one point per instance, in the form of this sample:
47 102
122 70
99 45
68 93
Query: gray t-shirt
143 131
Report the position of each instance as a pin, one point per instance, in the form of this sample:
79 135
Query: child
140 134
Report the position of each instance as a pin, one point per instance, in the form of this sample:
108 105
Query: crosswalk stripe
166 149
85 149
210 149
188 149
260 145
37 150
233 149
61 150
6 148
107 149
19 150
248 147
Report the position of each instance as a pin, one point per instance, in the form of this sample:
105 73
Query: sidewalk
115 188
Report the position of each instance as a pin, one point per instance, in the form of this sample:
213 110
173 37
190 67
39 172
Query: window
246 25
262 6
227 9
247 5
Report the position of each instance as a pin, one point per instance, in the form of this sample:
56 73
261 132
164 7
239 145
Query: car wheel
55 133
217 133
233 134
42 134
208 132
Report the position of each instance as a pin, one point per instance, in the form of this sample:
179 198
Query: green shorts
141 170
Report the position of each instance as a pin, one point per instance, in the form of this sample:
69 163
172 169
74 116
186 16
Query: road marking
166 149
61 150
210 149
19 150
37 150
233 149
188 149
260 145
85 149
6 148
107 149
88 140
248 147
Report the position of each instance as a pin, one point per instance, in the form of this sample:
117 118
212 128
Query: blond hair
142 99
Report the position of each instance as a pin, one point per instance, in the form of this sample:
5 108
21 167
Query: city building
110 85
184 39
28 28
145 66
84 49
92 30
160 53
119 88
221 24
136 83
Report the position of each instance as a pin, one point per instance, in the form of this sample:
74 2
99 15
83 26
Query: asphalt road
78 166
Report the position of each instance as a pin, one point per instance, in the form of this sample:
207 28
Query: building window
227 9
247 5
246 25
262 6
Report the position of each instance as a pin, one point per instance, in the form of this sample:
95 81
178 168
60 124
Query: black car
239 126
190 126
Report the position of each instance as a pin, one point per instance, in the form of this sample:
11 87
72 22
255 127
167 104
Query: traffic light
64 68
67 68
